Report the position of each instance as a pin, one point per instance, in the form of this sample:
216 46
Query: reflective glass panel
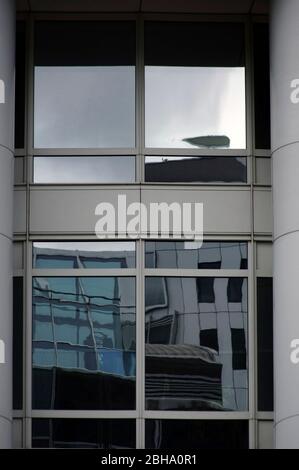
170 169
79 255
84 433
265 343
17 343
84 169
196 343
193 255
194 85
83 348
84 84
195 434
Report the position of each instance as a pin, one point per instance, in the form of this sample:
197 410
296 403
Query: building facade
148 342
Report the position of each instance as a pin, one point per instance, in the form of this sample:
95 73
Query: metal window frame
252 416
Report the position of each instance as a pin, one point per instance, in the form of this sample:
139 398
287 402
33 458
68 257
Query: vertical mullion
251 251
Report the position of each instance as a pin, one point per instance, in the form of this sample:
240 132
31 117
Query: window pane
193 255
20 85
69 255
193 434
84 343
195 169
195 85
17 343
196 344
84 433
84 169
265 343
84 94
261 85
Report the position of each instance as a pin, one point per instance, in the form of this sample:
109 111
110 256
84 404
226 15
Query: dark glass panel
196 345
193 434
265 343
194 255
17 343
84 433
84 343
20 84
194 44
85 43
195 170
261 85
90 255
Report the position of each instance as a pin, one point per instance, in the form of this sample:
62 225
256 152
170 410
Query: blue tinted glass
90 255
84 332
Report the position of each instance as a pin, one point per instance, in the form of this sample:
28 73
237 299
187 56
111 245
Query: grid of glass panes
102 169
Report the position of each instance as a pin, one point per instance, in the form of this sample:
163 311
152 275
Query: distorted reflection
79 255
83 349
196 343
194 255
84 433
195 169
84 169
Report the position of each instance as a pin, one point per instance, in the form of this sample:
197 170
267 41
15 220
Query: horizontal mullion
83 272
219 415
181 272
65 152
149 151
116 414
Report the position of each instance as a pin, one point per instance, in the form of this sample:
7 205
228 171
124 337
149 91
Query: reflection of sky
84 169
182 102
84 107
88 246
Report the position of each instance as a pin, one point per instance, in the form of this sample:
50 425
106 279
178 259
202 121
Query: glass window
84 343
261 85
194 85
170 169
84 433
196 344
265 343
84 84
195 434
20 85
194 255
17 343
97 255
84 169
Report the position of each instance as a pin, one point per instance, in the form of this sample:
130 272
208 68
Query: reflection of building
201 169
83 335
199 313
182 376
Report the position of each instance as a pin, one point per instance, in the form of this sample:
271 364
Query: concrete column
284 69
7 72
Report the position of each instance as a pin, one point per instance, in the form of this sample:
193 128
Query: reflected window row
158 255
